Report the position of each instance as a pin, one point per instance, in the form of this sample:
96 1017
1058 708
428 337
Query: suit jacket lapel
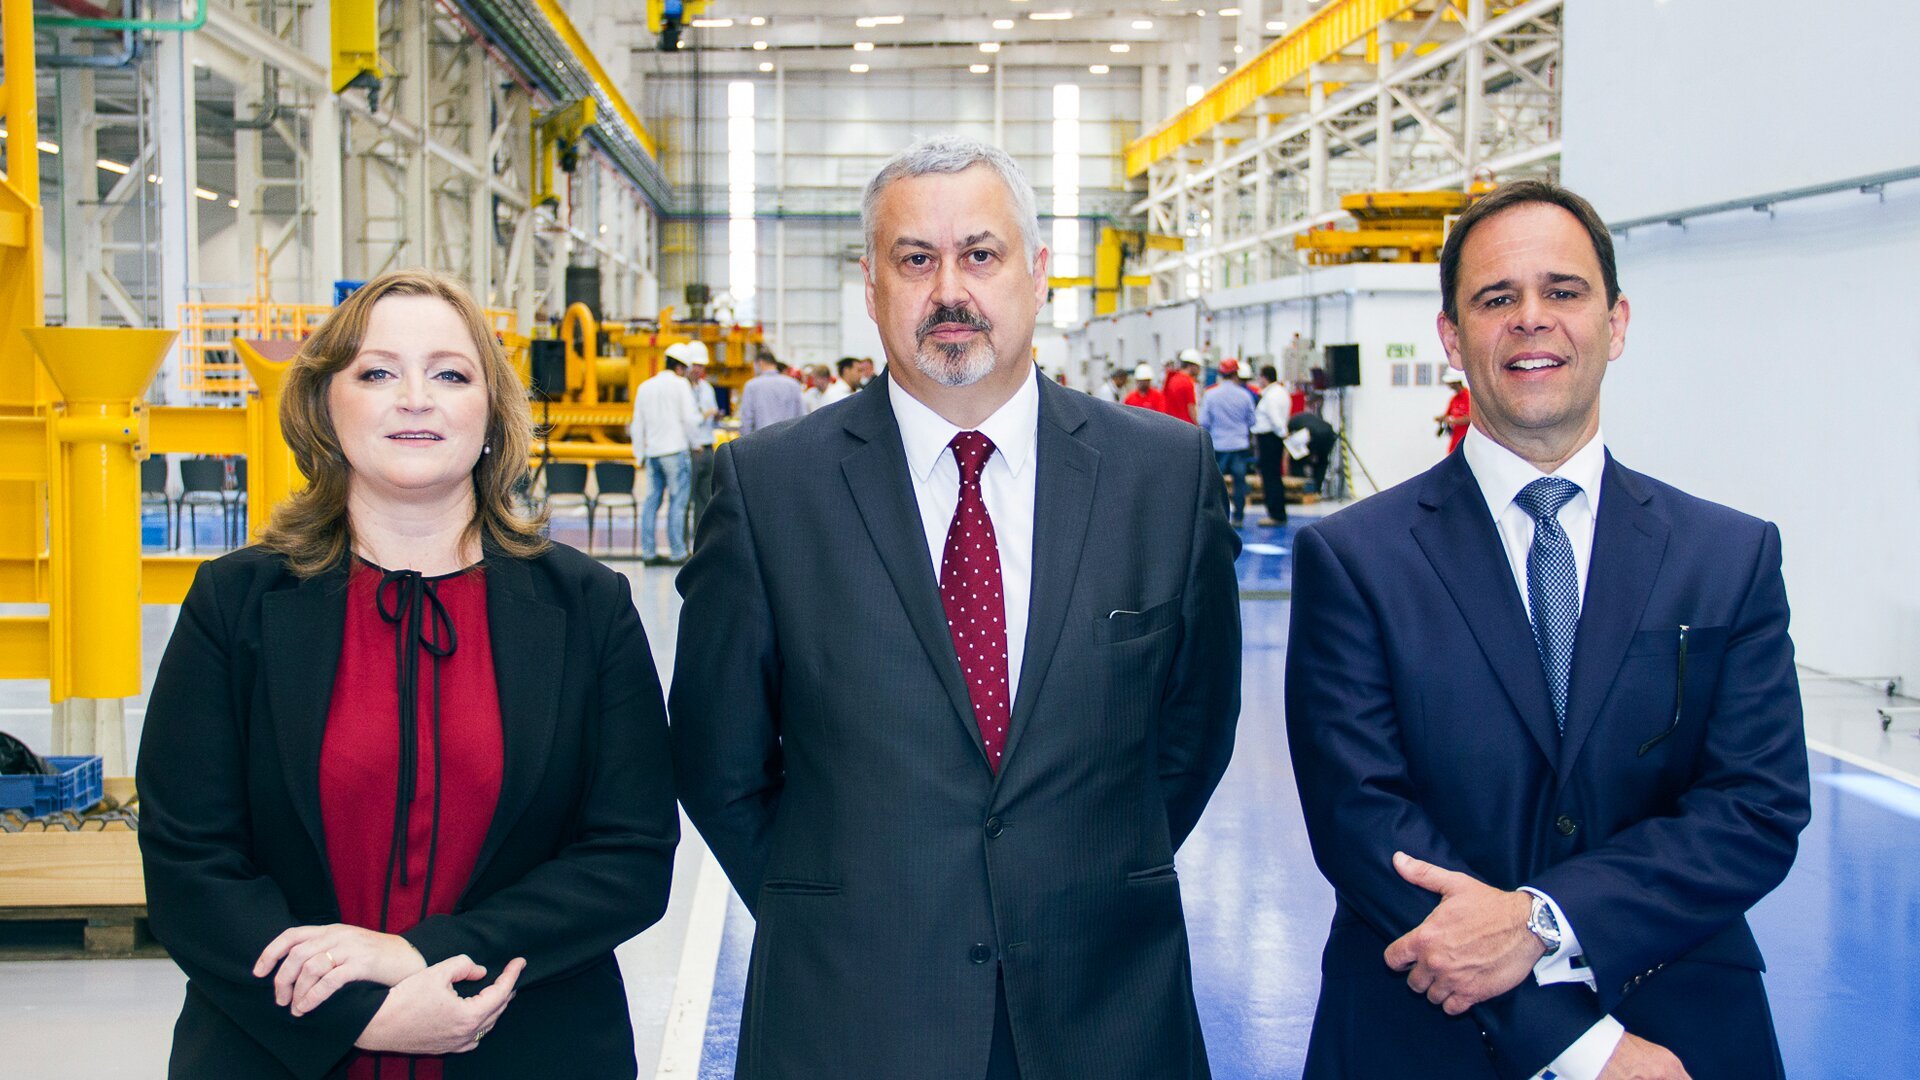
1459 539
529 654
300 635
1062 506
1629 541
882 489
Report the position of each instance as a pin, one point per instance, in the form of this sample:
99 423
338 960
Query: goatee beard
957 364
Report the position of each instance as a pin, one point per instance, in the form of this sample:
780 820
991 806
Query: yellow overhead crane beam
584 53
1322 37
356 45
1116 246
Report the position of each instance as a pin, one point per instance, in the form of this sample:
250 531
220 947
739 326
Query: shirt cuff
1588 1055
1568 963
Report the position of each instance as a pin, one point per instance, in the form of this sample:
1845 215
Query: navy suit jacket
1419 721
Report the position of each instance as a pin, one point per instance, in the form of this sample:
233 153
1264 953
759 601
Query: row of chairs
613 483
203 483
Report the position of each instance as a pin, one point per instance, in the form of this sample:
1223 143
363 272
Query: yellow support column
23 389
97 438
271 473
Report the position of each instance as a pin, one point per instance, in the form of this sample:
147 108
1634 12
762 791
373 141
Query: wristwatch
1542 924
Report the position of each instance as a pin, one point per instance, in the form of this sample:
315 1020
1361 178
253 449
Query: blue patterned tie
1553 588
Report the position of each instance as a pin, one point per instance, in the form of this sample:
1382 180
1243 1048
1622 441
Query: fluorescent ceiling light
112 166
1098 69
1051 16
203 193
233 204
766 65
760 46
1143 24
989 46
1003 24
757 20
980 69
603 230
1120 48
1276 26
48 147
858 69
154 178
713 24
869 21
863 46
1229 12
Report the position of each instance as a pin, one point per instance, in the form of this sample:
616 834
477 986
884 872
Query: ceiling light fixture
757 20
210 196
1120 48
1229 12
760 46
1277 26
979 69
48 147
863 46
1003 24
867 22
858 69
766 65
112 166
233 204
1143 24
989 46
712 24
1098 69
1051 16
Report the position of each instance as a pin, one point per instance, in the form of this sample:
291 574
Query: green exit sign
1400 351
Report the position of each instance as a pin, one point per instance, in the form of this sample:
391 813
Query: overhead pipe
165 25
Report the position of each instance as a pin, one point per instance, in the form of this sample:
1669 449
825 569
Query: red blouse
423 642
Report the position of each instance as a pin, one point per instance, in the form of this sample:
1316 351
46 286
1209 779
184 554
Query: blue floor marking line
1841 935
1892 794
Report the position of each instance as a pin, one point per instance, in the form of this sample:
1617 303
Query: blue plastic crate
79 784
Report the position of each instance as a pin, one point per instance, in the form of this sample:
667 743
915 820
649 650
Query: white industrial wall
1773 362
837 129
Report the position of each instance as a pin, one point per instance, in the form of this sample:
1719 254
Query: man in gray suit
948 769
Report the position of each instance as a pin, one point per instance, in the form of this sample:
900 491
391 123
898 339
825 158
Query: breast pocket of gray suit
1119 626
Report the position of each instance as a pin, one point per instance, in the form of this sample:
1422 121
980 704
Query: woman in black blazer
371 859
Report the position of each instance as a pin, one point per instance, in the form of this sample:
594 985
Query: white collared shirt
1502 474
1006 483
665 419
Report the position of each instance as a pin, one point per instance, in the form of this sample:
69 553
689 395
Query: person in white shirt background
666 427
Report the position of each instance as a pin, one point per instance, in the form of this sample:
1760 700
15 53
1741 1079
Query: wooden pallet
76 933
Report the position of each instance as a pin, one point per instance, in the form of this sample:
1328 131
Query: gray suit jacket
826 749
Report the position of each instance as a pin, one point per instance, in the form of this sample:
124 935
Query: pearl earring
487 449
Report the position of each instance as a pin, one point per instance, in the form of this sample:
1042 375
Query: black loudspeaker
1343 365
583 287
547 366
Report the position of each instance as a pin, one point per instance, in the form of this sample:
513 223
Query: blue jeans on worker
673 475
1235 463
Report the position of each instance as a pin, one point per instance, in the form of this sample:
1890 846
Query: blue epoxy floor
1842 935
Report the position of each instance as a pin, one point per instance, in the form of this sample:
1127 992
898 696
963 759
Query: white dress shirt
1006 484
1502 474
708 406
665 420
835 391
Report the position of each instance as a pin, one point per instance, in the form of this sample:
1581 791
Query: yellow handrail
1322 37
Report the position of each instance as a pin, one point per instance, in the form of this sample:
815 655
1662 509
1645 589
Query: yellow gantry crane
1109 259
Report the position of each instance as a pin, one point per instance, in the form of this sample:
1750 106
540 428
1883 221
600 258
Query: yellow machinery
589 420
1392 226
74 429
557 134
1116 247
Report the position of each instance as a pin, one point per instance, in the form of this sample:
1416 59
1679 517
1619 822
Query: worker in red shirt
1144 396
1182 399
1455 421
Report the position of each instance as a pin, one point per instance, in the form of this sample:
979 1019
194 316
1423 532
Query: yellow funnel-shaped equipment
271 473
90 363
99 437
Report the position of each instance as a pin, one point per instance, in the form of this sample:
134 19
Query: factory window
1066 201
741 245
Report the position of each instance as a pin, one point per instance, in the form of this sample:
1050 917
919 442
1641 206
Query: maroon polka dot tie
976 607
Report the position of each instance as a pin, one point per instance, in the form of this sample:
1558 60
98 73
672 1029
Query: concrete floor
1842 935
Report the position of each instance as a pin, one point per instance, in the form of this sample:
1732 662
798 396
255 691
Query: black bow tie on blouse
411 602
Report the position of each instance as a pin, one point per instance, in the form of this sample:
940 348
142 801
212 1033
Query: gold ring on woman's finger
331 962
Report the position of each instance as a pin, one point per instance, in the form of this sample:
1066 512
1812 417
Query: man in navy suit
1543 716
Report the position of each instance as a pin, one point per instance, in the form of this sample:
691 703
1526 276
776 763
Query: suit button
1565 825
979 954
995 828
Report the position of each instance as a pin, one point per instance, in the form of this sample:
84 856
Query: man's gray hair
952 154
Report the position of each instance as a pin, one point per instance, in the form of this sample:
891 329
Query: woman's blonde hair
311 528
